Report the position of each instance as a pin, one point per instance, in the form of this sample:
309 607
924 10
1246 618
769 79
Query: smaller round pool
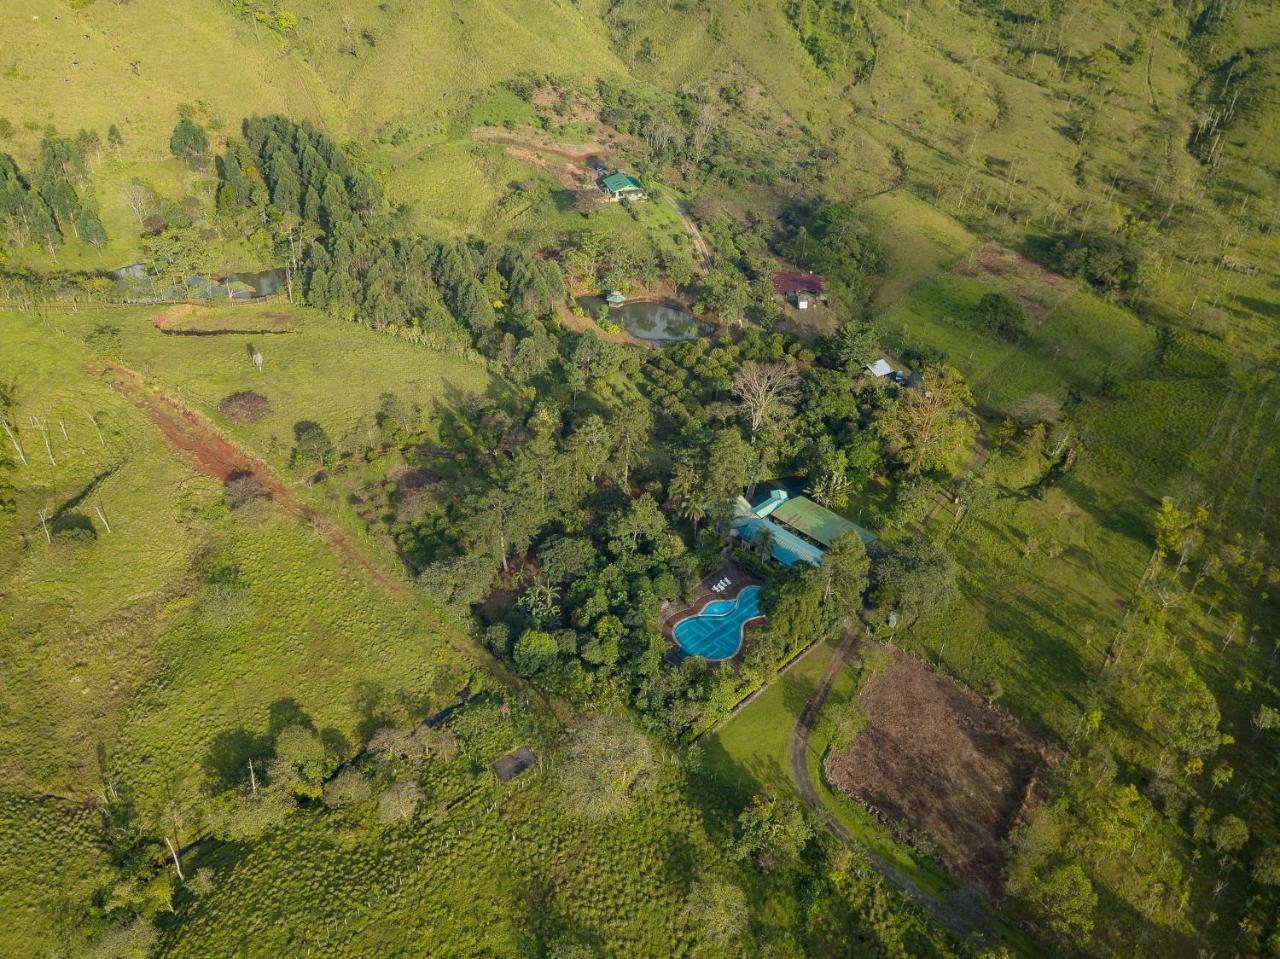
717 631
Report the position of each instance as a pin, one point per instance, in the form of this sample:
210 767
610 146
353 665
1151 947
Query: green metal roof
816 521
617 182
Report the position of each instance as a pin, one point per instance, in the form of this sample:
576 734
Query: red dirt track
214 455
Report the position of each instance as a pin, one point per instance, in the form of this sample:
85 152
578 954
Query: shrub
241 488
398 801
189 143
605 763
1002 316
311 444
73 527
245 406
346 789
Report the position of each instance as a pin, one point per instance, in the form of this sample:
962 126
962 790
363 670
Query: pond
137 285
649 320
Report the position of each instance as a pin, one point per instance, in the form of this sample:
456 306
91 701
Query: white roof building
880 367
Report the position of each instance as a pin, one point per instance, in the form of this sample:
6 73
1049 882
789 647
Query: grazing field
155 631
328 371
278 582
157 619
934 758
1074 339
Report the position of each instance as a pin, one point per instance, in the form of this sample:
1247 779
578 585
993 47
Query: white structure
879 368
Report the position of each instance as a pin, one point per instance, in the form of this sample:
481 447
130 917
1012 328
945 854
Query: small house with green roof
622 186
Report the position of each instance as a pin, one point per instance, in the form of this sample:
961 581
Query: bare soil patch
935 757
188 319
997 260
567 162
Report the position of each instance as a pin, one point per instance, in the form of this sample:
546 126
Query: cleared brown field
936 757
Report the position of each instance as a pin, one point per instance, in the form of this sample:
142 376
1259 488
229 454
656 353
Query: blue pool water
716 632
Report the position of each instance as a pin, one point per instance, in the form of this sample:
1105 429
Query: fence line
75 306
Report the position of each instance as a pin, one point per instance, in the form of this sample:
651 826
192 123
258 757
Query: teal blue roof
788 548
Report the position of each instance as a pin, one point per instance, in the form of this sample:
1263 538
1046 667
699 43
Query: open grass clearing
147 636
330 372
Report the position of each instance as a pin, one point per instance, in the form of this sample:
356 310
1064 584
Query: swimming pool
716 632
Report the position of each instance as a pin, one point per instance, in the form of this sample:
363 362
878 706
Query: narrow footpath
699 242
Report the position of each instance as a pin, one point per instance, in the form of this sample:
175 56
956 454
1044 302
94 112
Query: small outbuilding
880 368
514 763
622 186
790 283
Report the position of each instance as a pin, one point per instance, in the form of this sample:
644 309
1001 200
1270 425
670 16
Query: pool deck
739 580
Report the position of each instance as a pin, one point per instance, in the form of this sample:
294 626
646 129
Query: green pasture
919 241
501 107
328 371
148 630
1079 341
51 864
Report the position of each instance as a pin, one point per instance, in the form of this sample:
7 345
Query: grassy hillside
109 633
1106 170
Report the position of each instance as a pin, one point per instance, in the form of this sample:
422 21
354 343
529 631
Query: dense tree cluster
356 262
55 204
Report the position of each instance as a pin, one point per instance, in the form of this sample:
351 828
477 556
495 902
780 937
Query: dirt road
699 243
960 910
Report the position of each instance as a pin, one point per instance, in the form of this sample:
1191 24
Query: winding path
959 910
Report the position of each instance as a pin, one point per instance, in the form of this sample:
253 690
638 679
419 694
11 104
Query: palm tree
685 495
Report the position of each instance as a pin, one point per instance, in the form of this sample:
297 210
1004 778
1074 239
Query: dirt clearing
189 319
567 162
995 259
936 758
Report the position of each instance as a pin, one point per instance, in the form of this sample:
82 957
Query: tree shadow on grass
226 762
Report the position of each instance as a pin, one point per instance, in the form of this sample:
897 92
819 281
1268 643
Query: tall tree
772 832
604 764
913 577
930 426
767 392
844 572
189 143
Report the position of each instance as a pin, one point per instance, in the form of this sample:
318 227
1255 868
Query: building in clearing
622 186
790 282
880 368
